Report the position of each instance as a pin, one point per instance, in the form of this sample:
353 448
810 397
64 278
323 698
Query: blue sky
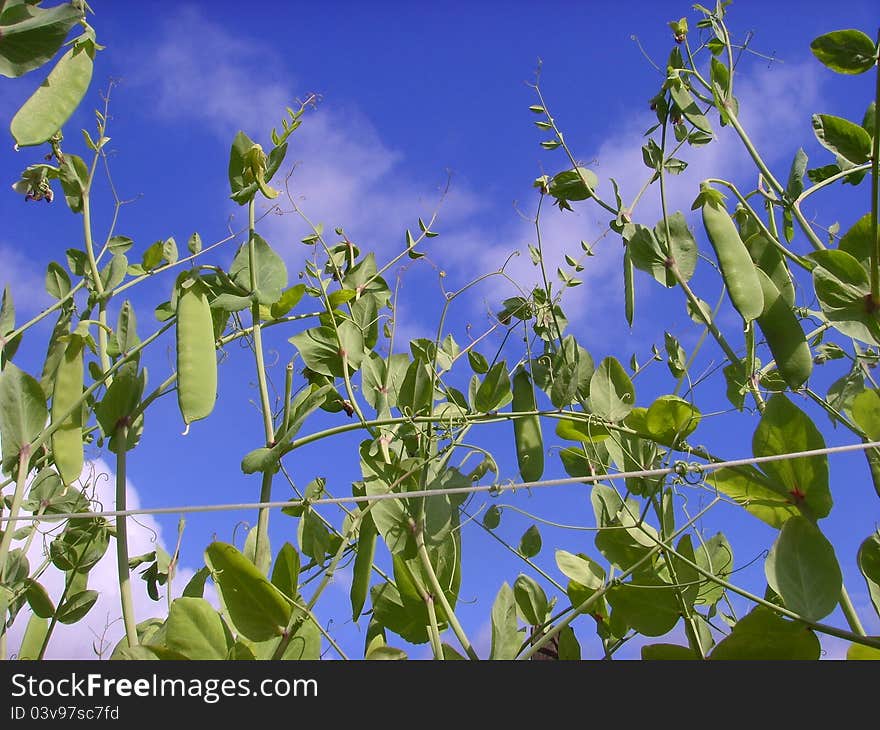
409 94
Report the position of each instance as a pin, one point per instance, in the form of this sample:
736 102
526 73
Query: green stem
691 631
849 611
815 241
15 508
122 568
262 542
440 594
433 628
875 193
6 541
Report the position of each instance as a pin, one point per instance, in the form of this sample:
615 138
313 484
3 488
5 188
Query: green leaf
494 391
506 637
842 137
845 51
492 518
612 395
530 542
764 498
862 652
417 389
57 281
194 244
803 570
478 363
285 572
784 429
195 588
55 100
256 607
76 606
576 184
271 273
685 102
865 410
857 241
30 36
583 431
195 630
406 620
322 352
581 569
670 420
762 634
869 565
531 599
674 652
22 413
715 556
647 604
842 287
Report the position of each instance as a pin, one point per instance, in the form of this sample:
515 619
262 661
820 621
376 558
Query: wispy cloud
102 627
24 280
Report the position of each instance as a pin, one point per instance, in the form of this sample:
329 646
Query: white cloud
101 628
24 280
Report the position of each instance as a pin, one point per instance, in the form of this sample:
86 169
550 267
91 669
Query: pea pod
196 356
52 104
527 430
363 566
737 269
67 439
784 335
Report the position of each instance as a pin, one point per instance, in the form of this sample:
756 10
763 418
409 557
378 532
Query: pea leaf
842 137
271 272
530 542
30 36
195 630
612 395
842 286
763 634
506 637
647 604
671 419
845 51
494 391
869 565
803 569
531 600
785 428
23 411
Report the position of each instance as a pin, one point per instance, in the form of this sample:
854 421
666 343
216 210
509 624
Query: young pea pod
56 99
737 269
784 335
67 439
196 355
527 430
363 566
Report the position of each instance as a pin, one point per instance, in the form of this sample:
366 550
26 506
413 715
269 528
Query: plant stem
433 628
849 611
123 571
440 594
15 508
262 542
875 192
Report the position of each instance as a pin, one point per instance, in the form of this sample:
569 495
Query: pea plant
792 296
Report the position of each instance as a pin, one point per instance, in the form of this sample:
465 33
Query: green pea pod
363 566
629 291
737 269
196 355
784 335
769 259
527 430
55 100
67 439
